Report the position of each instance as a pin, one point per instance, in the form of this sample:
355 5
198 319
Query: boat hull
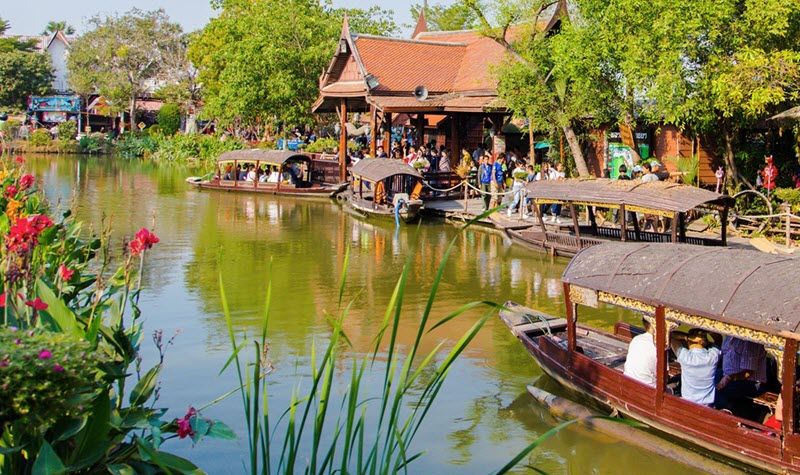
314 191
699 426
408 213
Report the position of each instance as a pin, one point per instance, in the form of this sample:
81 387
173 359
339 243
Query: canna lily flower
36 304
19 159
143 240
185 425
13 209
24 233
26 181
65 273
11 191
45 355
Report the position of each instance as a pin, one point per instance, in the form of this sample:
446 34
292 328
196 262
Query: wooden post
674 233
636 230
466 194
788 384
387 134
623 228
572 317
539 217
373 136
590 210
682 227
455 142
788 211
723 216
258 167
343 142
420 130
575 224
661 356
235 174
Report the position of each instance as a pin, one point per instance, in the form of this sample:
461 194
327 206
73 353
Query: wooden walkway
454 210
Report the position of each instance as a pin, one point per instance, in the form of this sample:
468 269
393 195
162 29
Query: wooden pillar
387 134
235 174
539 217
373 139
723 216
455 142
623 228
661 356
674 233
343 142
572 319
788 385
592 218
575 223
636 230
682 227
420 130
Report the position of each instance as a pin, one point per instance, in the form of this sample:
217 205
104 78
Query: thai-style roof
377 169
272 157
657 195
745 288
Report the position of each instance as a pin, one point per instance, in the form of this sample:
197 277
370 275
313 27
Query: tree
458 16
259 60
123 56
22 72
54 26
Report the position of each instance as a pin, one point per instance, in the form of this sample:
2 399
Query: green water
484 415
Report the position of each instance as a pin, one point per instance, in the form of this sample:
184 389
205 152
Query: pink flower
143 240
45 355
19 159
2 300
26 181
11 191
24 233
185 425
65 273
36 304
4 362
58 368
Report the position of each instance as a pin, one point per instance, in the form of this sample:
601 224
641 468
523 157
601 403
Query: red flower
26 181
19 159
24 233
11 191
65 273
58 368
185 425
3 300
36 304
143 240
45 355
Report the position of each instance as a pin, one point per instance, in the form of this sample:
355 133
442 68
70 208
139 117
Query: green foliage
169 118
37 389
790 196
23 74
248 81
323 145
8 43
689 167
121 54
136 145
54 26
67 130
442 17
711 220
40 138
92 143
183 148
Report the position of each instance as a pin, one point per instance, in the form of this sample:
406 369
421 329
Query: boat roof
377 169
740 287
272 157
657 195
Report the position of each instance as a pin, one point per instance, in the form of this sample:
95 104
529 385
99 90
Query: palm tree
54 26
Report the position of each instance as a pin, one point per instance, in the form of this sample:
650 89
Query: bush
688 166
169 118
789 195
40 138
181 148
134 145
67 130
92 143
326 145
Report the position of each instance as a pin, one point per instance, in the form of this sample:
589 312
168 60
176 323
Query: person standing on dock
499 183
485 179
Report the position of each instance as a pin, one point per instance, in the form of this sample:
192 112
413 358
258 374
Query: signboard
54 116
55 104
619 154
292 144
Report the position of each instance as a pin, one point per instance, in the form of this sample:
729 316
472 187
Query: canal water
484 415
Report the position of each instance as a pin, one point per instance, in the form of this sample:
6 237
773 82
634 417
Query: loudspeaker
421 93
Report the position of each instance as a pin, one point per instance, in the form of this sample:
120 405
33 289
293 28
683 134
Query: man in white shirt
648 174
698 365
640 364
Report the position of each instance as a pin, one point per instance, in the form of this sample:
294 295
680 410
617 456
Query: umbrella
541 145
791 114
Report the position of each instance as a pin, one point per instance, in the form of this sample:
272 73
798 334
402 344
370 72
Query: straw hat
696 336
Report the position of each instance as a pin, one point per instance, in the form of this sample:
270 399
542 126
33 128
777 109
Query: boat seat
541 327
767 399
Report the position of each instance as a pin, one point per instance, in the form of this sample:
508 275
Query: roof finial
422 24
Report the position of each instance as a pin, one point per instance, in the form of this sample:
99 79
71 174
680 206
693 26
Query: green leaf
219 430
62 316
145 387
121 469
47 462
92 441
166 460
10 450
200 427
68 428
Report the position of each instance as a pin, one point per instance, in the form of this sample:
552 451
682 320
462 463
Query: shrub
40 138
688 166
790 196
67 130
326 145
92 143
181 148
135 145
169 118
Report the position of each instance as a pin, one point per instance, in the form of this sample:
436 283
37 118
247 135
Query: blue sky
29 17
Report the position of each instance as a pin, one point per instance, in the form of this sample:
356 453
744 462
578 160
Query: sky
29 17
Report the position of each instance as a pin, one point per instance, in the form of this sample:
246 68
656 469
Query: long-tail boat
647 212
729 292
385 187
277 172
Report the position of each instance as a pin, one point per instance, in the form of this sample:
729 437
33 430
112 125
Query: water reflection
484 416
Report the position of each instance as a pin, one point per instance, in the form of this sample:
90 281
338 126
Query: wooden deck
454 210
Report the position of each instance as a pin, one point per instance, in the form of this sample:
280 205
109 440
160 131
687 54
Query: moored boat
746 295
646 212
382 187
277 172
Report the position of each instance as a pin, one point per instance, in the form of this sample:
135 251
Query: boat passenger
640 363
444 162
274 176
744 373
698 365
228 172
251 173
648 174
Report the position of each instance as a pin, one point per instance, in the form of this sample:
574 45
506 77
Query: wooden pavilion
379 75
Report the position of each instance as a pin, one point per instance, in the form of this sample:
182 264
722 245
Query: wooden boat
660 206
746 294
288 173
384 187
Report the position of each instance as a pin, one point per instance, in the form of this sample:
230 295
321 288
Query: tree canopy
454 17
259 60
54 26
23 72
123 56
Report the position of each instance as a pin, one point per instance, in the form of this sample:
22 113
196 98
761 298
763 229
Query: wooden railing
442 181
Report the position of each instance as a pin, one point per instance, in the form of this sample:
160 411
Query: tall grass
366 433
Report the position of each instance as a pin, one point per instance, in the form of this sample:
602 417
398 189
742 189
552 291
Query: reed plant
364 432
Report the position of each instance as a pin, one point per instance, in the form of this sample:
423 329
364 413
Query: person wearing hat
698 362
659 170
